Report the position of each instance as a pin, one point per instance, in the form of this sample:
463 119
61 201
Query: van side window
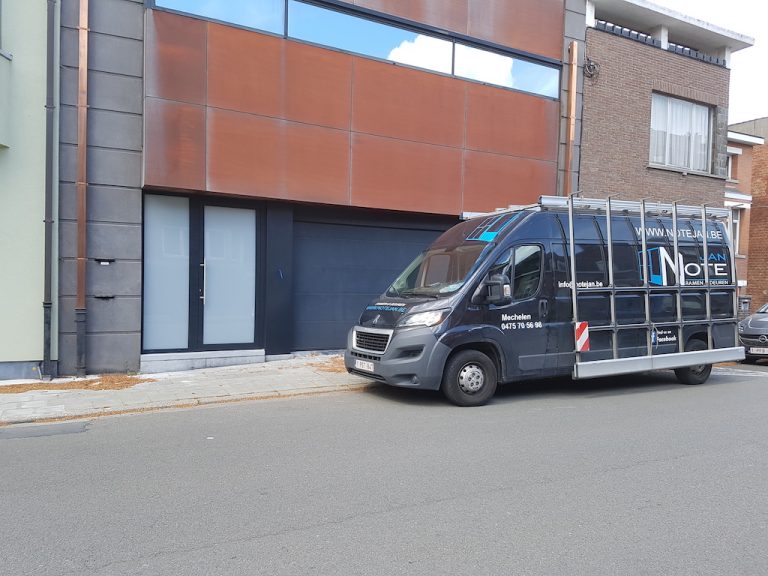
527 274
501 266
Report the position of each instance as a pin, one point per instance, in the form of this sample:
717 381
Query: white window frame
667 163
736 215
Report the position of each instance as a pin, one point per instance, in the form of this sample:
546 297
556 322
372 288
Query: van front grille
372 341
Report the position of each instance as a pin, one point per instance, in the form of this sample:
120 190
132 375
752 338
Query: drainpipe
570 135
50 110
81 186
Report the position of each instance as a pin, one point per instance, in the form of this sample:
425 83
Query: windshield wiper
416 292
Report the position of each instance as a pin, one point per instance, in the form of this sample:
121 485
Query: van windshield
439 272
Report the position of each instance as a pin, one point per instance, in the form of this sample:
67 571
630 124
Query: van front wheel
469 379
694 374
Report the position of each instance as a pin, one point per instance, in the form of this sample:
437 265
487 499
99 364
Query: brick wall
758 233
617 120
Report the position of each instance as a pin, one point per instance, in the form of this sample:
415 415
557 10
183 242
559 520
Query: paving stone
289 377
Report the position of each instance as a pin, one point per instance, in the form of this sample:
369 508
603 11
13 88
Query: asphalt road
639 475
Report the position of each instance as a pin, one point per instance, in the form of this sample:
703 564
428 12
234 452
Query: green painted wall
23 42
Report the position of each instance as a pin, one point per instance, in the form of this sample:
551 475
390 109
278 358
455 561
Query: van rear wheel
692 375
469 379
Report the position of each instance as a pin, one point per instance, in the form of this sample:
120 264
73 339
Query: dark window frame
197 206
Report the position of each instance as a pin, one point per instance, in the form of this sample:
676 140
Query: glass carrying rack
614 365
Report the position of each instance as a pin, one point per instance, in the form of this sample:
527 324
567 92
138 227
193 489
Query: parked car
753 333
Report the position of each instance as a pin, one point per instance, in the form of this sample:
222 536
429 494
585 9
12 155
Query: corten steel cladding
327 127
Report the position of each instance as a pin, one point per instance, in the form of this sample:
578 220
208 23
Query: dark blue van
492 300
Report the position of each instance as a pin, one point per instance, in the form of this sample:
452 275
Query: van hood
386 312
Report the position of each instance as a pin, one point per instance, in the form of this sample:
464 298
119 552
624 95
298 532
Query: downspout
50 111
81 186
570 135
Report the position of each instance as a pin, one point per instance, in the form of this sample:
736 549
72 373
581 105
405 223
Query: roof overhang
645 16
740 138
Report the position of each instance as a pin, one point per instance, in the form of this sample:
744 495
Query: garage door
338 269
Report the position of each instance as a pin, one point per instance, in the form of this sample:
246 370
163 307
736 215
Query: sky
749 67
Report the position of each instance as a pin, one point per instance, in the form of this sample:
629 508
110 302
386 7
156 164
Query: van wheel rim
471 378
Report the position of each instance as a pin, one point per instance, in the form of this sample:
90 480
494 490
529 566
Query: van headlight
431 318
741 327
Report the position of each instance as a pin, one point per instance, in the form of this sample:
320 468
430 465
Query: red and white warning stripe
582 337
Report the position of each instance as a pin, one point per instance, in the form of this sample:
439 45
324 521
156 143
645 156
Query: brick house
738 196
757 277
655 104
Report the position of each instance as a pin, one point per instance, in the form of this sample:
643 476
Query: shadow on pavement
641 383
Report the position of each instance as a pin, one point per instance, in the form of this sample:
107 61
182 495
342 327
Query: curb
192 403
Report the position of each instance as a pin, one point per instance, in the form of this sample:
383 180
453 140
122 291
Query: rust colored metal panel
174 153
511 123
245 71
316 164
532 25
243 154
175 57
318 85
408 104
446 14
269 158
494 181
400 175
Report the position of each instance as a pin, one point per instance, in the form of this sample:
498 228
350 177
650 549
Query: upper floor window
266 15
681 134
367 37
502 70
372 35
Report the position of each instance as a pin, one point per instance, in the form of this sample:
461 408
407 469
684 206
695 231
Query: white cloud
424 52
483 66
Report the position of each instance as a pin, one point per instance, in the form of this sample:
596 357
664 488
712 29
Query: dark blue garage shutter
338 269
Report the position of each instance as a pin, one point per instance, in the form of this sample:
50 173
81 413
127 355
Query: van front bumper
413 358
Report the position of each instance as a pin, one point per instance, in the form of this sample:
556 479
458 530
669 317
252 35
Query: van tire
693 375
469 378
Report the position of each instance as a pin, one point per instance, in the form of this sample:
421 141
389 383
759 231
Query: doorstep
182 361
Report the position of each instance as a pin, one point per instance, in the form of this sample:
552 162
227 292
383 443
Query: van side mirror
494 290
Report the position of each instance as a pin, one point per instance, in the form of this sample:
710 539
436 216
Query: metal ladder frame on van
616 365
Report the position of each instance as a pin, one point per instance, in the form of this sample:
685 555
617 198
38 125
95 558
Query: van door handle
543 308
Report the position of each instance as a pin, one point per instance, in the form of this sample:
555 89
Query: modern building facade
253 173
28 53
655 103
757 175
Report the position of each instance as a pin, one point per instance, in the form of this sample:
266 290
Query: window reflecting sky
493 68
331 28
262 14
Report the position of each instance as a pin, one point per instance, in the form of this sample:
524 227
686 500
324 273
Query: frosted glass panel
230 276
166 272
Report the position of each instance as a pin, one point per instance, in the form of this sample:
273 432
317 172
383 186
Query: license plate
758 350
363 365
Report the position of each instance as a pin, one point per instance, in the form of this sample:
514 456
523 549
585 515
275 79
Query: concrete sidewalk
70 398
